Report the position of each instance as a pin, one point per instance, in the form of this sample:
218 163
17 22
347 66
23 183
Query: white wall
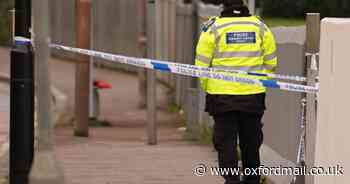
332 137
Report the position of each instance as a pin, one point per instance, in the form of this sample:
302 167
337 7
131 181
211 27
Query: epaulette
208 24
260 19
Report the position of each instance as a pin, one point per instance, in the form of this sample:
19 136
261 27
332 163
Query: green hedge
298 8
5 6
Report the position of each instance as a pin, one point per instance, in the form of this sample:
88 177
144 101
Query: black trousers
248 127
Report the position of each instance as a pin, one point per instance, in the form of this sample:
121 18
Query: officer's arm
204 51
270 52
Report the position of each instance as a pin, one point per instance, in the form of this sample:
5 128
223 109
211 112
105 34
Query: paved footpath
118 154
4 112
4 98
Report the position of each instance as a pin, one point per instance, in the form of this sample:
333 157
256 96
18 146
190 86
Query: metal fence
62 14
114 26
184 48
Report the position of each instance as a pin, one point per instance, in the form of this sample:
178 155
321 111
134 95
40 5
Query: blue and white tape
22 40
189 70
273 76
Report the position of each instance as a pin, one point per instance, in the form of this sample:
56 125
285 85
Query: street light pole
22 96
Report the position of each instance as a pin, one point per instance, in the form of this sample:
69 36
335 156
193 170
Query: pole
142 74
82 85
42 53
251 6
195 19
151 75
22 97
93 109
45 166
313 29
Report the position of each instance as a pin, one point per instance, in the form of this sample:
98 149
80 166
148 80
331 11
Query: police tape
274 76
25 41
19 40
189 70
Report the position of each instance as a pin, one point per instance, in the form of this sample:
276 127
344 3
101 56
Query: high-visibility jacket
236 43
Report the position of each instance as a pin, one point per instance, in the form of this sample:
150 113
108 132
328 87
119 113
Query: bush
283 8
336 8
5 6
298 8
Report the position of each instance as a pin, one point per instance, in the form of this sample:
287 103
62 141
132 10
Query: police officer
239 41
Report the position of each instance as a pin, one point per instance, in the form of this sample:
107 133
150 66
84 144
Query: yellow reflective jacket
237 43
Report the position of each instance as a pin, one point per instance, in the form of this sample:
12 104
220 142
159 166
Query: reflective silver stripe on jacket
241 23
270 56
245 68
217 40
262 31
240 68
203 59
218 55
269 67
221 55
214 30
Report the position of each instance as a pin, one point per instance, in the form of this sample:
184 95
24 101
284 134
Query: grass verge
288 22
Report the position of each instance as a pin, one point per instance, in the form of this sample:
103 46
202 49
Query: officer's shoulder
260 19
206 25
